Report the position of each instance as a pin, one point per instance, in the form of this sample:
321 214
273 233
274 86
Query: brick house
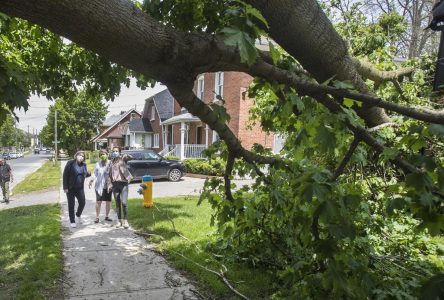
148 132
169 129
113 130
186 136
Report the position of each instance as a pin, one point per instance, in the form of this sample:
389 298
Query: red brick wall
247 136
235 83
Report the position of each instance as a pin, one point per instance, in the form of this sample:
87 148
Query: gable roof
164 103
140 125
111 120
122 116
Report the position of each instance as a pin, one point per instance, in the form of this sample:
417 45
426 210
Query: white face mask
79 158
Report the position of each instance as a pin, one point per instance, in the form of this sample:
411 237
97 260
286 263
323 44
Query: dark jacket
69 174
5 173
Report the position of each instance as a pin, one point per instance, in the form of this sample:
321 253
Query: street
21 167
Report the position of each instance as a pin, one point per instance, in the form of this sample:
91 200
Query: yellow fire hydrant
146 189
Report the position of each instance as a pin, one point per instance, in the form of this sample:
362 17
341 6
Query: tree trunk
304 31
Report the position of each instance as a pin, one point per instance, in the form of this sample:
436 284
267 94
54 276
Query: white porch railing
190 150
168 150
194 150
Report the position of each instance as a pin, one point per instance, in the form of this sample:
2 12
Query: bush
172 157
214 167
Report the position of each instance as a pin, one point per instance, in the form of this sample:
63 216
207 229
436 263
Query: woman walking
120 179
73 184
103 185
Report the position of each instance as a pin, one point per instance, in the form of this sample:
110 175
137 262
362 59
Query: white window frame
201 87
218 85
156 140
153 113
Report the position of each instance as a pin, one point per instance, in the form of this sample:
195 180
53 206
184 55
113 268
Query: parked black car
36 151
148 162
6 156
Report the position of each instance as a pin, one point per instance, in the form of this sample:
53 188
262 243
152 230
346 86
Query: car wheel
174 175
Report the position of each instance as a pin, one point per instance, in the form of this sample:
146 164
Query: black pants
120 191
71 195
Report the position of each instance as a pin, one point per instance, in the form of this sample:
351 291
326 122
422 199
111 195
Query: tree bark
304 31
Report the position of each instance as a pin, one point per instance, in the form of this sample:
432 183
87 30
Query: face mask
104 157
115 154
79 158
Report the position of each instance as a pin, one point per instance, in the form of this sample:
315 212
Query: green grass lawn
30 253
46 177
193 222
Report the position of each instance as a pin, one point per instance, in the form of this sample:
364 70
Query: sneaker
119 223
125 224
96 220
73 225
79 220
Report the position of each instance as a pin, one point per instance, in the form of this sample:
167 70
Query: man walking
5 178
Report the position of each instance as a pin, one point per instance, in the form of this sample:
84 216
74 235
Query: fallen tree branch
348 155
220 274
367 70
303 87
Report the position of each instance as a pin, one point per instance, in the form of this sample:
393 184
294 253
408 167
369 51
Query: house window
156 141
200 88
215 136
153 113
219 85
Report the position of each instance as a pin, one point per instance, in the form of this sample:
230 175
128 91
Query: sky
130 97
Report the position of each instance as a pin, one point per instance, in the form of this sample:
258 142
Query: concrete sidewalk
105 262
41 197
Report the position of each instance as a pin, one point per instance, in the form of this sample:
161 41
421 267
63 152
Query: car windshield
151 156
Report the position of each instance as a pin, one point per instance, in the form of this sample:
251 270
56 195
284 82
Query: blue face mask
115 155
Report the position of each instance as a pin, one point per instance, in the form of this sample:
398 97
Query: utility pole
55 138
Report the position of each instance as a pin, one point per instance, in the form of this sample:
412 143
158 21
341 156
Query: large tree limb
304 87
305 32
368 70
126 35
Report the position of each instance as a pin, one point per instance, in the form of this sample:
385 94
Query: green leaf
237 38
396 203
274 53
437 129
257 14
434 224
419 181
325 138
350 102
389 153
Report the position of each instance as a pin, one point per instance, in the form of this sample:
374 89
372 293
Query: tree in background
351 207
10 136
78 118
414 15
